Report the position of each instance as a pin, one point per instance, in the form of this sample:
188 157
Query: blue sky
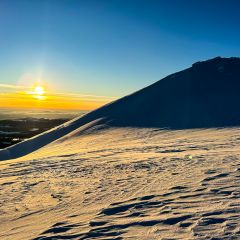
111 47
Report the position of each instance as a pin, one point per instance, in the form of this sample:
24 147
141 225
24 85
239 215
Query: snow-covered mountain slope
205 95
35 143
129 170
125 183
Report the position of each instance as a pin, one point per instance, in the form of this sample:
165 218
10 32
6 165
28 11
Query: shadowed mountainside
204 95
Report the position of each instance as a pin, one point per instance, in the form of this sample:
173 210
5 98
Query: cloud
71 95
83 96
11 86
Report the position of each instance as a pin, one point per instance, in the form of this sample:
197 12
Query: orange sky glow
37 98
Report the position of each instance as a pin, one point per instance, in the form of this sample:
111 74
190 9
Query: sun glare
39 90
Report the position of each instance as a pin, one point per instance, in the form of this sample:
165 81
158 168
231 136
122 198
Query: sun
39 90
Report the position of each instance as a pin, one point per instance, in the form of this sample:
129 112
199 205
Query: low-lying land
13 131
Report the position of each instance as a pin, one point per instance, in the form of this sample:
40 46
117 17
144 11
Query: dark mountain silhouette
202 96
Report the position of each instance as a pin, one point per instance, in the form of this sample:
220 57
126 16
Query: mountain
130 170
202 96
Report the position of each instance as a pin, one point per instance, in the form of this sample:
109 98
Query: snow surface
125 183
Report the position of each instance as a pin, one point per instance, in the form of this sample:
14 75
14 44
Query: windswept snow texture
125 183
